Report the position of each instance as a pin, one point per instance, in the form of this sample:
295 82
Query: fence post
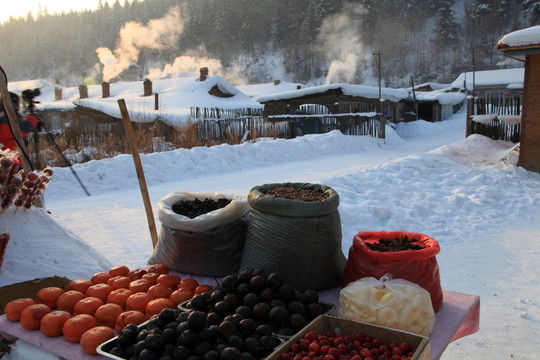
470 112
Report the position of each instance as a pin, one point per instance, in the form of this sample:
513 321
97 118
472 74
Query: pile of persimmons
93 311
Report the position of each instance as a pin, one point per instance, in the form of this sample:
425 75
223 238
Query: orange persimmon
14 308
100 277
151 277
31 316
106 314
100 291
79 285
159 269
119 297
170 280
119 282
138 301
155 306
48 296
188 283
92 338
88 305
139 285
181 295
77 325
159 291
129 317
136 274
202 289
67 300
52 323
119 270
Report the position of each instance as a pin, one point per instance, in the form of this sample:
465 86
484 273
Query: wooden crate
327 323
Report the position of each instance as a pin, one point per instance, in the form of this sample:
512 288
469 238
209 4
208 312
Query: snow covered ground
424 177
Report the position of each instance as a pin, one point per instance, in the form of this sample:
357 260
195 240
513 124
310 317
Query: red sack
417 266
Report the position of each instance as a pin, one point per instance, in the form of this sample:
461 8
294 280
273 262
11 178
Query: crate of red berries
330 338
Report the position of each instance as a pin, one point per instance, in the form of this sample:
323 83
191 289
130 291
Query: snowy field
424 177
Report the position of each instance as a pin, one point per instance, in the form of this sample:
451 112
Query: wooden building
524 45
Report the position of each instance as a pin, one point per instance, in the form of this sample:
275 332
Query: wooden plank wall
529 152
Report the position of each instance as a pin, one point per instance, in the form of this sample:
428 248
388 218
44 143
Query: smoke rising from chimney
158 34
342 45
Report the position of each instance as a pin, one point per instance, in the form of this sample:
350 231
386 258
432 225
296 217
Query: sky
22 7
424 177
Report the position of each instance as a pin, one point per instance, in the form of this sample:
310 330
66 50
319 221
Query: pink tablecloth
459 316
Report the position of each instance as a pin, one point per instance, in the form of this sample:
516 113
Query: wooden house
524 45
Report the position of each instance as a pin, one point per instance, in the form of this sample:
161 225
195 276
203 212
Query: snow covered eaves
489 78
520 39
443 96
256 90
505 119
369 92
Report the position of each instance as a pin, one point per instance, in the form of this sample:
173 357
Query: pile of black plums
237 320
266 299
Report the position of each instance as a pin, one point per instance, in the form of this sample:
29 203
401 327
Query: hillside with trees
253 41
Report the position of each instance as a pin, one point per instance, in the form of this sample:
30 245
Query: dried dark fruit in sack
400 243
196 207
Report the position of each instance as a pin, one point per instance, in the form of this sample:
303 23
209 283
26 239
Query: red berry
376 342
304 343
329 357
324 349
334 352
405 347
295 348
365 352
285 356
395 357
314 347
312 335
356 357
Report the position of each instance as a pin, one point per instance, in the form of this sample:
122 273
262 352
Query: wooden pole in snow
140 172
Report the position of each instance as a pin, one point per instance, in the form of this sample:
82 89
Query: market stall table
459 316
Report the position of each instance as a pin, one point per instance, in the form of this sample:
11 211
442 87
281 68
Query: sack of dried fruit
416 263
201 233
394 303
295 230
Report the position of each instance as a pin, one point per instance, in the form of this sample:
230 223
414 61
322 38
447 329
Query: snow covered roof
176 97
256 90
525 38
493 78
370 92
443 96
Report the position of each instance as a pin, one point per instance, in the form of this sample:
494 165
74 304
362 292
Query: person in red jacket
26 126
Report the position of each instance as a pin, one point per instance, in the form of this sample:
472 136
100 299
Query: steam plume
158 34
342 45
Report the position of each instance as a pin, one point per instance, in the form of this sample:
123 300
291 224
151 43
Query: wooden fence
498 120
224 125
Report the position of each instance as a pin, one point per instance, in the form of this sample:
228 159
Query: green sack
300 240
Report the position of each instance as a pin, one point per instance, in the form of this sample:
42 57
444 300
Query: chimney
105 90
277 82
83 91
147 87
203 73
298 87
57 93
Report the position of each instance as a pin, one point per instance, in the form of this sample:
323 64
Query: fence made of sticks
490 117
229 125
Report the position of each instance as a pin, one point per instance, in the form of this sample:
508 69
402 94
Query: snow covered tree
447 29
